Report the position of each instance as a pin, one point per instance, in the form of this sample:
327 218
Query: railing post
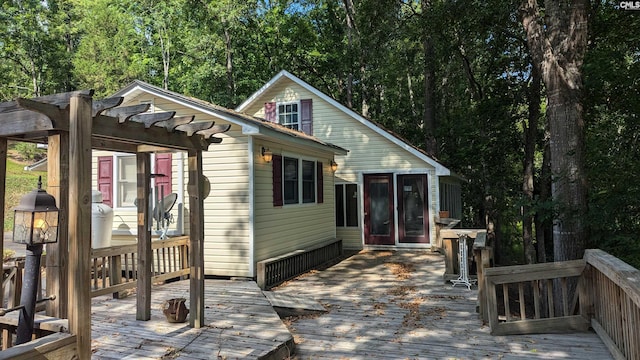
482 258
115 272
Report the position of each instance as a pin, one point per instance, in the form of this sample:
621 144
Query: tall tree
557 42
32 45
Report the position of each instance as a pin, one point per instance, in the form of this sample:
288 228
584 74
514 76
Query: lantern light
36 218
267 155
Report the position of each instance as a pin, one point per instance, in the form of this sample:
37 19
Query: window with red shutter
163 166
105 178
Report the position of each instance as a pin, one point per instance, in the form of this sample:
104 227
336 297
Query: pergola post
58 186
80 121
143 293
196 240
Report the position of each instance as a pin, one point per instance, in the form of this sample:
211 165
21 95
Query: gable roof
381 130
250 125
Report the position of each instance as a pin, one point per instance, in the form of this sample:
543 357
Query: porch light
36 218
35 223
334 166
267 155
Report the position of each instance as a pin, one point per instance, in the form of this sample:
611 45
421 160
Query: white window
299 181
289 115
346 205
127 180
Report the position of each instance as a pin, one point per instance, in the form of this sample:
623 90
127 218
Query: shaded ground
394 305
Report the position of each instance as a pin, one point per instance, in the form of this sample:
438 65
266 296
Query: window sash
346 205
299 181
290 180
289 115
127 181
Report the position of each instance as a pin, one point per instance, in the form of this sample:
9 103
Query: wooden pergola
72 124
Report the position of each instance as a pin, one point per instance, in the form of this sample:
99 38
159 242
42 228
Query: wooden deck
380 305
384 305
239 324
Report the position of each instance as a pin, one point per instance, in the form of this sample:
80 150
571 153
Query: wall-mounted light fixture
334 165
267 155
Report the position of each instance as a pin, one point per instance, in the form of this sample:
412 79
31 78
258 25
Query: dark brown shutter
276 166
105 178
270 112
320 183
306 116
163 166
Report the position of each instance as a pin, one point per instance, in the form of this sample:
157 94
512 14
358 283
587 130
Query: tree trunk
557 43
348 7
558 49
429 118
530 131
544 235
231 86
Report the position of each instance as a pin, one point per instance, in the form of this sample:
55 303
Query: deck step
289 305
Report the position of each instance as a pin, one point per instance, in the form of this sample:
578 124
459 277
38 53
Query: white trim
301 158
344 204
252 199
440 169
298 113
395 173
247 128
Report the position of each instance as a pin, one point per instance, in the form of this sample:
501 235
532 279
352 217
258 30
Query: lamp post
35 223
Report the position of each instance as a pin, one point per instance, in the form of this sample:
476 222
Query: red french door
413 219
379 228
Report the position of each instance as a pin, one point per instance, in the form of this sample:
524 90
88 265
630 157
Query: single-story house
260 203
295 170
389 193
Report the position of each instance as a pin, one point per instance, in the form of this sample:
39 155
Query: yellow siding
369 152
279 230
226 209
351 237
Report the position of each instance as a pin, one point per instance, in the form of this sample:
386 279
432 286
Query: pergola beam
109 128
60 99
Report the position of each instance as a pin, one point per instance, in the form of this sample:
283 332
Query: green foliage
18 183
613 133
29 151
224 50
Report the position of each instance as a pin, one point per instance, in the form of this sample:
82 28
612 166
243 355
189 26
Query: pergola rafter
73 124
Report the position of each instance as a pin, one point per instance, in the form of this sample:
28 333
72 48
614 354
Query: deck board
379 305
385 305
240 324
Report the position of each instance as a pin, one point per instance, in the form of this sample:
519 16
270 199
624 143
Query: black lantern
35 223
36 218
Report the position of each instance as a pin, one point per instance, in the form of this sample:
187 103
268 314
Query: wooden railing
114 269
610 299
607 299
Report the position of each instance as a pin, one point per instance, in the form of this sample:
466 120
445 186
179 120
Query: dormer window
296 115
288 115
